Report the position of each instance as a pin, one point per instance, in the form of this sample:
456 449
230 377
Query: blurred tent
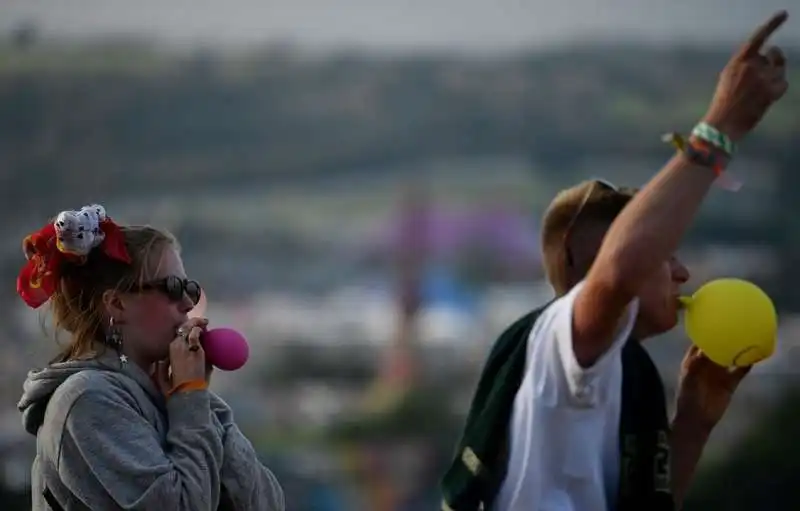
503 242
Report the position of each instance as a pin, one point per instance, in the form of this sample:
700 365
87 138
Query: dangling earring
114 339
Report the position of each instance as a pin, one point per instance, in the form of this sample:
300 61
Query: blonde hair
589 201
77 305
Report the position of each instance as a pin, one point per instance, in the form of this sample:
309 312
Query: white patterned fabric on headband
78 232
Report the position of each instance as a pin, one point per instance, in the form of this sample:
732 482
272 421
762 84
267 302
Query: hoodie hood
42 383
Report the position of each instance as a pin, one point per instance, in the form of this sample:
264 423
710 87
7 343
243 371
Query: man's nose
680 273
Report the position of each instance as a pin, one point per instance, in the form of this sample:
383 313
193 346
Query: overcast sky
399 24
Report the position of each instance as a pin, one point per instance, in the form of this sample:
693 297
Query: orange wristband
188 386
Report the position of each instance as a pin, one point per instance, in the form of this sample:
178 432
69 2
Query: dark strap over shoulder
51 500
644 435
479 466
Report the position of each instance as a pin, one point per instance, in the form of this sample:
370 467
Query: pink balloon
225 348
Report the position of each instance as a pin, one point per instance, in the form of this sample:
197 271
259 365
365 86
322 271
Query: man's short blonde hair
590 201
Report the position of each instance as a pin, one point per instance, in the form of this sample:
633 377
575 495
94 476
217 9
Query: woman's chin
161 353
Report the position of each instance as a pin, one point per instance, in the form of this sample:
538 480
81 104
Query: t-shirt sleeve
551 353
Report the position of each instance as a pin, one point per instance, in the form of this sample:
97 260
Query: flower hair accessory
70 238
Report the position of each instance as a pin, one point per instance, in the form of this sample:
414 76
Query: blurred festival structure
424 242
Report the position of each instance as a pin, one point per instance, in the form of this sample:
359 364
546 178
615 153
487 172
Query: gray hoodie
107 439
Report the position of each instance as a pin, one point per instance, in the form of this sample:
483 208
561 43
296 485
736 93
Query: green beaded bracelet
713 136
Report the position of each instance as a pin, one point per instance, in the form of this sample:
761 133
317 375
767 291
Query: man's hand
705 389
749 84
704 393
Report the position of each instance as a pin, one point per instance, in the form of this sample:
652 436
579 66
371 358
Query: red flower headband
71 238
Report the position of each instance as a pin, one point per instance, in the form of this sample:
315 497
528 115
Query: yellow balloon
732 321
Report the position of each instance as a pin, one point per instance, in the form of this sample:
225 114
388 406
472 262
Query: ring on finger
193 341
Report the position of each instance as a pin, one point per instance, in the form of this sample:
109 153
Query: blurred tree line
14 500
763 473
123 120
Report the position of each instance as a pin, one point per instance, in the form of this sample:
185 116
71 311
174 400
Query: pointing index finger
760 36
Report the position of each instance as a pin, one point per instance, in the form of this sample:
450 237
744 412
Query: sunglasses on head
175 288
597 185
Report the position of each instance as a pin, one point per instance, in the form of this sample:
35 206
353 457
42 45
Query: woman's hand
187 360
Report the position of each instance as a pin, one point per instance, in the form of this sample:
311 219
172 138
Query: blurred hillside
140 120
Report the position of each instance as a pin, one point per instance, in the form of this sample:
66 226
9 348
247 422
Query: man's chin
658 325
668 324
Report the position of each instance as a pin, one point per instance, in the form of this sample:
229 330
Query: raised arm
650 228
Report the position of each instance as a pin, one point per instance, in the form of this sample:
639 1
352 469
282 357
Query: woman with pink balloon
123 417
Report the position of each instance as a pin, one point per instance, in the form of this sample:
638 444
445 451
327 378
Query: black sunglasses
174 288
597 185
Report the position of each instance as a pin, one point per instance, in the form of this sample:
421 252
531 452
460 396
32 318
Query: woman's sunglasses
174 288
597 185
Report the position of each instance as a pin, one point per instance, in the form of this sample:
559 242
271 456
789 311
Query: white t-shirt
564 432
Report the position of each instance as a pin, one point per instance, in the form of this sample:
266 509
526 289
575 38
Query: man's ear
113 304
585 244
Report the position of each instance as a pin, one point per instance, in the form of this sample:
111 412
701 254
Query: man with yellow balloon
570 411
732 321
